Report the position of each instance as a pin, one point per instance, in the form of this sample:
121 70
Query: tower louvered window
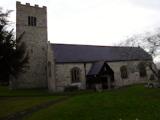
32 21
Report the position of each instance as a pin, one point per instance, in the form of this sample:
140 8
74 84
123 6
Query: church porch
101 76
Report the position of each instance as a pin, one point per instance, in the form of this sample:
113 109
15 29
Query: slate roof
96 67
67 53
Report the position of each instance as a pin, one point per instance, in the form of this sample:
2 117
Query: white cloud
95 21
149 4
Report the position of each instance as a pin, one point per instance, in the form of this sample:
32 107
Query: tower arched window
124 72
142 69
75 74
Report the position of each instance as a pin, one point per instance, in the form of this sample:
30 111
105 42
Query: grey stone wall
51 70
133 73
63 74
35 38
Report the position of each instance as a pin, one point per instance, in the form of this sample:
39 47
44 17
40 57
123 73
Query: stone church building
58 66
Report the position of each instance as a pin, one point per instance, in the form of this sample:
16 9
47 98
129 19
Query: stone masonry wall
63 74
133 73
51 69
35 38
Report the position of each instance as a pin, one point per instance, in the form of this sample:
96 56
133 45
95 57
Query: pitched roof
96 67
67 53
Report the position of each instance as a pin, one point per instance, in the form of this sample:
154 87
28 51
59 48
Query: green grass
130 103
6 92
126 103
12 101
16 104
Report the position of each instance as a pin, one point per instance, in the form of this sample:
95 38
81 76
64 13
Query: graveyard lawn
12 101
129 103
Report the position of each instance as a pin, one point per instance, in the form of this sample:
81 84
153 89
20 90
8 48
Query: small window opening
32 21
124 72
75 74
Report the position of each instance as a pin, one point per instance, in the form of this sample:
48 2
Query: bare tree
150 42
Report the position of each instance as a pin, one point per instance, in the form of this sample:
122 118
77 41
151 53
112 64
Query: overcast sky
102 22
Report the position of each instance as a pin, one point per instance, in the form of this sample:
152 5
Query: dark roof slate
96 67
66 53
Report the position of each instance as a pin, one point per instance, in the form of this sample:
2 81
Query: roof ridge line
92 45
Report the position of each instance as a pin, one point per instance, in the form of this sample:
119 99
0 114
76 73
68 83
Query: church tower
33 21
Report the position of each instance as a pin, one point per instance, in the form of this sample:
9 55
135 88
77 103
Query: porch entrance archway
100 74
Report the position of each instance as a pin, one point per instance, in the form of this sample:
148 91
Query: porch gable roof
95 69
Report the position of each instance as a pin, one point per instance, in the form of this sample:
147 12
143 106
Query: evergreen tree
13 55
